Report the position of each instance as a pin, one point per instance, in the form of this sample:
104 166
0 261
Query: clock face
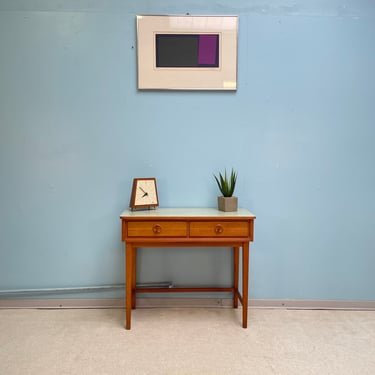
144 193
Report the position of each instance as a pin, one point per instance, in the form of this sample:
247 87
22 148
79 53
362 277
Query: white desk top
187 212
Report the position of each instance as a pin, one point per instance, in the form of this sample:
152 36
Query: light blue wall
300 130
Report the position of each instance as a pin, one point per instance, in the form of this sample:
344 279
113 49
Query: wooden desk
188 227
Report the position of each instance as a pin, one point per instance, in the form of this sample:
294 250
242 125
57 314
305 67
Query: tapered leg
245 282
129 283
236 251
134 278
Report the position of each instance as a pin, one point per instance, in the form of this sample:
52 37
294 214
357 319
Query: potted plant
226 183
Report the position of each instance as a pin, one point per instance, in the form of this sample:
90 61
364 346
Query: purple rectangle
207 50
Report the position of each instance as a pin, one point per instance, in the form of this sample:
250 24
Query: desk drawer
157 229
219 229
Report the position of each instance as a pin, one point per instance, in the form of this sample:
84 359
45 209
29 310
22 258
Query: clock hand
145 195
141 189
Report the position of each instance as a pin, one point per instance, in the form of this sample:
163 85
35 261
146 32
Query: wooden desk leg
245 282
236 252
129 283
134 278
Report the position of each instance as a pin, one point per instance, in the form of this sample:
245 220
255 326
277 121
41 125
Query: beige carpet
187 342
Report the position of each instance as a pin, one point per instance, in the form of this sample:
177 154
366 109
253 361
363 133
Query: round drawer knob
156 229
219 229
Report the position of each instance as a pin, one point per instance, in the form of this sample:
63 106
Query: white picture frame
222 76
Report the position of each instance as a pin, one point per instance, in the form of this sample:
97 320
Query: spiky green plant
226 183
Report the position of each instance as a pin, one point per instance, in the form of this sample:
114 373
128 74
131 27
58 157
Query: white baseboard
64 303
312 304
184 302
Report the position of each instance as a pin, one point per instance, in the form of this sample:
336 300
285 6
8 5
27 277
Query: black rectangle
185 51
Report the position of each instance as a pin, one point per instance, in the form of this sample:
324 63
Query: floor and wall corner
75 131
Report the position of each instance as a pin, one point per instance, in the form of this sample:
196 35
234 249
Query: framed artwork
187 52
